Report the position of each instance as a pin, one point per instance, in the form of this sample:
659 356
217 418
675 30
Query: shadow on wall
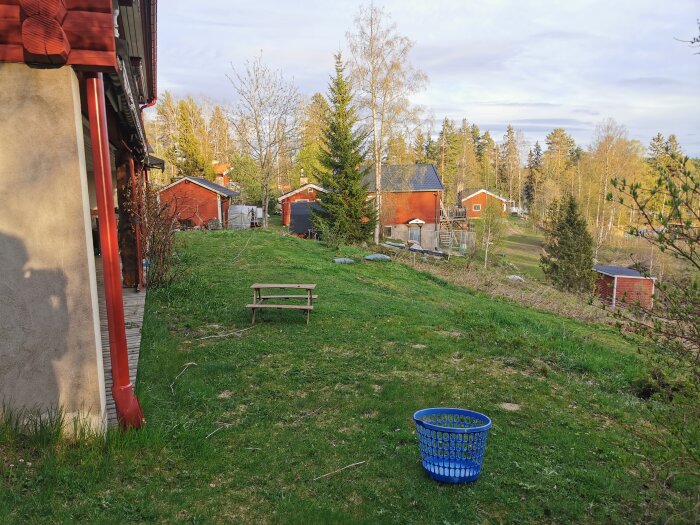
33 329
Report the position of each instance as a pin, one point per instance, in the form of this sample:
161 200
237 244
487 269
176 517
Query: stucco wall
50 353
428 234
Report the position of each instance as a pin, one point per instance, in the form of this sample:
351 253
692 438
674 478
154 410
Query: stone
377 257
516 278
343 260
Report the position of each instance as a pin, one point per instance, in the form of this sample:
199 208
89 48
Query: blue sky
535 64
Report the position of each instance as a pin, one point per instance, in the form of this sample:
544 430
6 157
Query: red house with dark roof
411 196
198 201
305 193
620 286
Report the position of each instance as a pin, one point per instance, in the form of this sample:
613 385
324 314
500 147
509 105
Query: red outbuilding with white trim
306 193
198 201
476 201
620 286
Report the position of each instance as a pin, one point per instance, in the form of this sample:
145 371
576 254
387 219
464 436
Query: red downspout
128 410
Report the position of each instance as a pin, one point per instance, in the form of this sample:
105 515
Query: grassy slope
298 401
522 247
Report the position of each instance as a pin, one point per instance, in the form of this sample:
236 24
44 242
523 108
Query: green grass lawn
522 247
241 434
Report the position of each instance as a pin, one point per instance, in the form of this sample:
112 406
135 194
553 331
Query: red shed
476 200
198 200
621 286
305 193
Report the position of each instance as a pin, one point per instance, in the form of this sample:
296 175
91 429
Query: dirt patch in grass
510 407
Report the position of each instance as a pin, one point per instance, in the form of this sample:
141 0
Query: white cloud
492 62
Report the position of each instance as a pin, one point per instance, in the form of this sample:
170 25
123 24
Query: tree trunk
377 175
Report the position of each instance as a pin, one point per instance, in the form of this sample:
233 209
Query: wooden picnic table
262 301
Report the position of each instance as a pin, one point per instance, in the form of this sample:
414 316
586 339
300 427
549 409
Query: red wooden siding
57 32
195 203
629 290
481 199
309 194
632 290
604 286
401 207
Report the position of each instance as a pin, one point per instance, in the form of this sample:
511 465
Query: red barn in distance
622 286
305 193
198 201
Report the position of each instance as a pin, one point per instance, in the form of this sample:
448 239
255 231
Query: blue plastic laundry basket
452 443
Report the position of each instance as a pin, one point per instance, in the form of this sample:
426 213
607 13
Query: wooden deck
133 317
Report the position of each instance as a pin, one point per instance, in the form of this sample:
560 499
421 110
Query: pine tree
467 165
447 159
343 213
534 165
487 152
568 259
308 157
419 148
509 172
432 150
190 160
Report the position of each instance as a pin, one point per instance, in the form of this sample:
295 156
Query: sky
534 64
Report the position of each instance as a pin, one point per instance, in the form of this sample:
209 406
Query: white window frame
476 207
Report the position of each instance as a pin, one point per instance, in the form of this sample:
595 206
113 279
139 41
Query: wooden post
127 235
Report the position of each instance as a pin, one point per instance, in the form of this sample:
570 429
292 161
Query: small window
414 234
387 231
476 207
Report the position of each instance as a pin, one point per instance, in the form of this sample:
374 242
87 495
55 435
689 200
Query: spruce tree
343 212
534 165
568 259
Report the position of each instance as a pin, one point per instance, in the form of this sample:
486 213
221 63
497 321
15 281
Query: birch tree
266 119
384 79
491 226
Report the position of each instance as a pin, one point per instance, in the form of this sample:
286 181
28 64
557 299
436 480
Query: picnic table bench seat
262 301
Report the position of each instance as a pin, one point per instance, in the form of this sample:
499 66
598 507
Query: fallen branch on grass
223 425
237 333
215 431
172 390
309 414
340 469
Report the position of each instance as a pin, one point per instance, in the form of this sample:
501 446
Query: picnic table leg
309 301
256 293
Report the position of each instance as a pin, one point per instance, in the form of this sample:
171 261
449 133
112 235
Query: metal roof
213 186
302 188
407 177
618 271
